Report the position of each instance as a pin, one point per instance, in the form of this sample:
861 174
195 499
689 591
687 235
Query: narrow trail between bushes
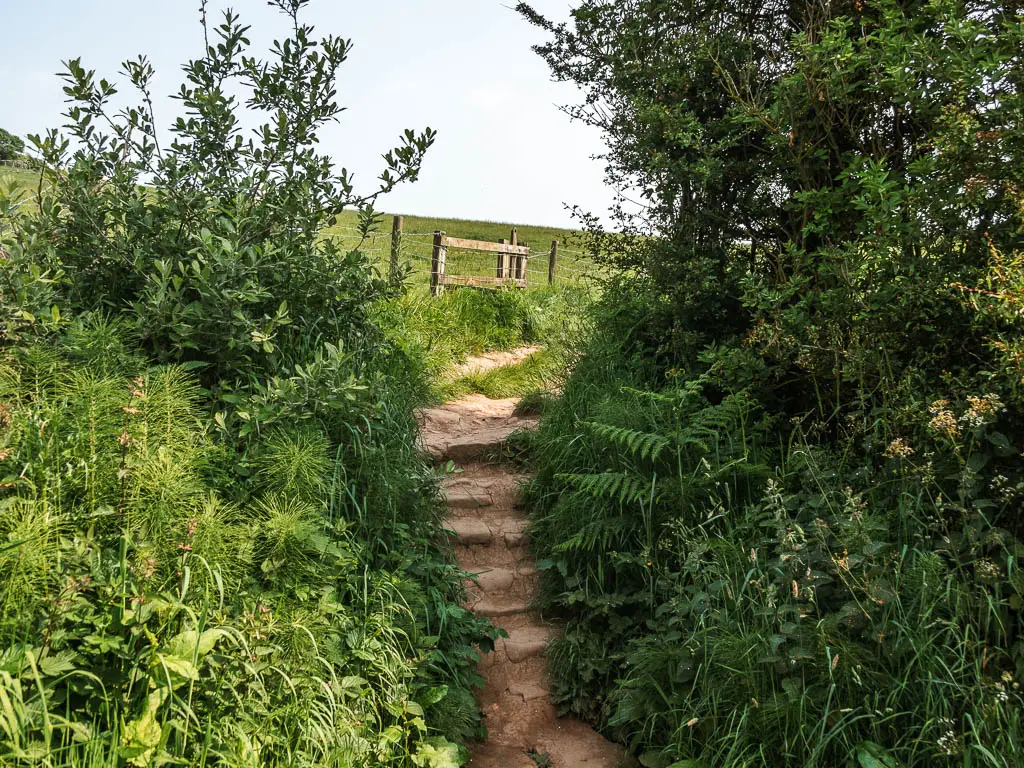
491 540
491 360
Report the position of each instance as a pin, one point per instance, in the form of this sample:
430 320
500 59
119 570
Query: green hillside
417 242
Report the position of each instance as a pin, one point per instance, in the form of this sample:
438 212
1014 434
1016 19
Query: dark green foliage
726 567
779 500
11 146
218 545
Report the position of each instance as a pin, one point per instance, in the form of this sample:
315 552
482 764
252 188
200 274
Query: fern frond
645 444
598 535
620 486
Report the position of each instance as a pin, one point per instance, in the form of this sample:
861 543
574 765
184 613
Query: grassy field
417 241
19 177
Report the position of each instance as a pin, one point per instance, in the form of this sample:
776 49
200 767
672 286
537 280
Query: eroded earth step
468 498
493 755
517 581
476 531
469 428
498 607
491 541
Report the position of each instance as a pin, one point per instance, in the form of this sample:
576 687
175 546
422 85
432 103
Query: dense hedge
780 499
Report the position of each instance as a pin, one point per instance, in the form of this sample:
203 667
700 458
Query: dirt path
489 360
492 541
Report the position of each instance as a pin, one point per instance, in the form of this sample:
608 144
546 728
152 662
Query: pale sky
464 67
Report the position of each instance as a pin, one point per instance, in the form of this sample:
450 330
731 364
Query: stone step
471 497
516 538
498 607
470 531
517 716
526 643
473 445
495 580
471 427
476 558
527 691
501 579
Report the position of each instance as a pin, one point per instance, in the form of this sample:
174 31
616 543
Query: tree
805 163
11 146
826 279
213 244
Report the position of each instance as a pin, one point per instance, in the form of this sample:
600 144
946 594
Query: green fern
647 445
621 486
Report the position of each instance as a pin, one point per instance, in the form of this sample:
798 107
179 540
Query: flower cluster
949 742
986 569
943 421
981 410
898 449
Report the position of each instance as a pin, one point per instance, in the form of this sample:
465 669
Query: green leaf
438 752
433 695
391 735
191 643
141 737
872 755
58 663
183 668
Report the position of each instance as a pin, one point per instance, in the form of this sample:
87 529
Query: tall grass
440 332
157 610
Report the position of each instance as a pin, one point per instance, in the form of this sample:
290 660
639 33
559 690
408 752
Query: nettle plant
213 243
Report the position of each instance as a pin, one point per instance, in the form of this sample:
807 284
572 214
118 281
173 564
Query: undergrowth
156 607
779 500
739 591
218 543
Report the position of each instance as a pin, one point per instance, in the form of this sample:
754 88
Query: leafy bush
778 502
219 545
220 259
742 593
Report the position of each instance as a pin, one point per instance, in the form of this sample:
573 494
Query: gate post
502 262
396 247
438 257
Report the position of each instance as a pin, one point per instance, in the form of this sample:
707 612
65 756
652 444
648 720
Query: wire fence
415 256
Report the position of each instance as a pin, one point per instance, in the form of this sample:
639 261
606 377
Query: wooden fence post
517 260
438 257
502 262
396 247
552 262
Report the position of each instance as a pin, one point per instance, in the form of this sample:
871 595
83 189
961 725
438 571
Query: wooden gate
511 267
